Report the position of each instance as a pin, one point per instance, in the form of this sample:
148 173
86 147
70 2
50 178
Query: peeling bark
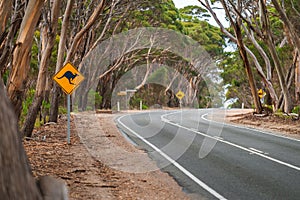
16 85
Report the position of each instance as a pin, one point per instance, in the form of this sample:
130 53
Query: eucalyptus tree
19 183
129 15
16 83
289 13
48 35
12 13
259 25
237 37
194 21
85 18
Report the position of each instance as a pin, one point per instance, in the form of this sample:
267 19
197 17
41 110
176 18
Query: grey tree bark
16 180
16 85
76 41
60 60
48 34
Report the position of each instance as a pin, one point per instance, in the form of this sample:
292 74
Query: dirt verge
86 176
278 125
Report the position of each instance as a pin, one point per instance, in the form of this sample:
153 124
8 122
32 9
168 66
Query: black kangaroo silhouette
70 76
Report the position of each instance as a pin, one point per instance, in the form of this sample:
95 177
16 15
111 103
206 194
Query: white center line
253 149
234 145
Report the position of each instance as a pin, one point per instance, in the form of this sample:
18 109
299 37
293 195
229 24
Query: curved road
213 160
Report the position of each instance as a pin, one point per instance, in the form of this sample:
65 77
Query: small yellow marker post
180 95
68 78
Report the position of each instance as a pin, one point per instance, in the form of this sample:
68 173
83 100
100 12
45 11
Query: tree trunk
21 56
249 73
271 46
88 25
48 40
266 79
56 92
8 47
60 60
71 51
242 49
297 80
5 12
286 94
288 24
288 80
19 183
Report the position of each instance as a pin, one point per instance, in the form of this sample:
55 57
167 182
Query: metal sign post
180 95
69 119
68 78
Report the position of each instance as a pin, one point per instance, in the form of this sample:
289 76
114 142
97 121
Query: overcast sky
220 13
183 3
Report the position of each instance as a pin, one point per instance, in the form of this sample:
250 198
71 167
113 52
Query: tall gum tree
5 12
16 85
279 68
16 179
71 52
7 41
60 59
259 23
48 35
238 39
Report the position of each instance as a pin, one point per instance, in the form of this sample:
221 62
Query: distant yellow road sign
122 93
261 93
68 78
180 94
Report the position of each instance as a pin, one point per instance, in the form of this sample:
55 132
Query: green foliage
145 107
283 115
150 94
157 13
34 62
135 103
159 76
62 110
234 77
26 104
296 110
94 100
46 105
5 76
195 26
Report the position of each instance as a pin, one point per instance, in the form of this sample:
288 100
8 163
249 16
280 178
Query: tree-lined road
215 160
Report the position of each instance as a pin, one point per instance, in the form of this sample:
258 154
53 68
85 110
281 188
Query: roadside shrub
296 110
145 107
26 104
62 110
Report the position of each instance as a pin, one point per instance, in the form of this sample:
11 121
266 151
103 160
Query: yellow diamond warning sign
180 95
68 78
261 93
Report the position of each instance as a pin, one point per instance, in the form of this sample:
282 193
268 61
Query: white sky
183 3
220 13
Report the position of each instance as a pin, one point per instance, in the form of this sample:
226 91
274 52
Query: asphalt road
213 160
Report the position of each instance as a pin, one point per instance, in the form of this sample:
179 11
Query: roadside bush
296 110
26 104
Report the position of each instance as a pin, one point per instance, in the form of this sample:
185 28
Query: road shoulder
278 126
87 176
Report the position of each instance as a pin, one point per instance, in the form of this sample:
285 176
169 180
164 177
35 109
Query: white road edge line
182 169
234 145
220 138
